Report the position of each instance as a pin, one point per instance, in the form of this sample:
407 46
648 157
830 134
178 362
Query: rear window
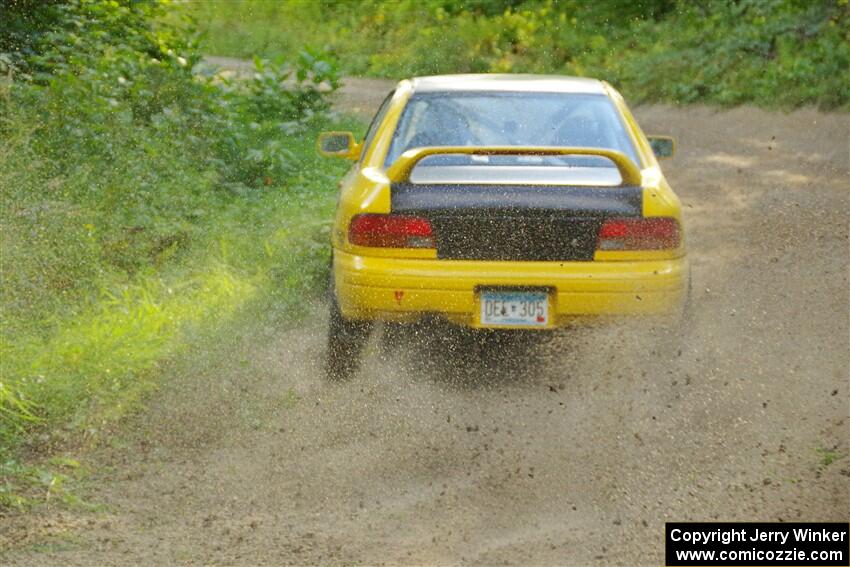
512 119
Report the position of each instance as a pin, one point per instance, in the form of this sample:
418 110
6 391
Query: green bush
141 199
772 53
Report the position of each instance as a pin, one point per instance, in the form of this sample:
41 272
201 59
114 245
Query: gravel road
569 453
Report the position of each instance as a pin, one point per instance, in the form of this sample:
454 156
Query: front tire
346 342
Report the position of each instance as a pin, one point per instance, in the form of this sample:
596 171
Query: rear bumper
398 289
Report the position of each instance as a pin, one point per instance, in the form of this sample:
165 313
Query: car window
376 121
511 119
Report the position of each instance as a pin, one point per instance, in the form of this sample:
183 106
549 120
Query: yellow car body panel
401 284
401 289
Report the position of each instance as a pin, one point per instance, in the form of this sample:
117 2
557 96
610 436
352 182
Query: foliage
827 456
768 52
142 200
21 485
314 76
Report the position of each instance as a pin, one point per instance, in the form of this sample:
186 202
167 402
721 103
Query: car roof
508 83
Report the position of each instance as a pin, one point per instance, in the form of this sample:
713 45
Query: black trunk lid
516 222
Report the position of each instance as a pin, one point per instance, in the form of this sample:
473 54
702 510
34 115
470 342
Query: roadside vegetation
145 205
773 53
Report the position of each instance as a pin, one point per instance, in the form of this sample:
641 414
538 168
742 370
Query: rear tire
346 341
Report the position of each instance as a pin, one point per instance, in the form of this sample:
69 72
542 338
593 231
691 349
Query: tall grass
144 206
80 362
77 352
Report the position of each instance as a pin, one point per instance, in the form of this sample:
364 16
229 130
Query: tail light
654 233
390 231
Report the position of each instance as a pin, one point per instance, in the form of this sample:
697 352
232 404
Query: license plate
503 308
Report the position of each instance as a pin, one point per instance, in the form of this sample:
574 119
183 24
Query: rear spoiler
400 170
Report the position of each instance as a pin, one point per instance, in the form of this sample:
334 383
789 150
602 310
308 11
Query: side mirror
662 146
339 144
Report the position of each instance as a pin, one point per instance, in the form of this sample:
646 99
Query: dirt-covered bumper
404 289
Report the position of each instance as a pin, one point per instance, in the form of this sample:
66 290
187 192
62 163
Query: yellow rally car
504 202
